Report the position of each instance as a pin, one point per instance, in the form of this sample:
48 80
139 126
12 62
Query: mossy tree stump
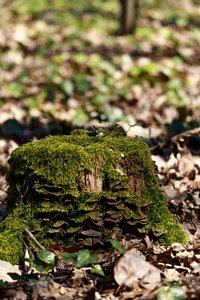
78 188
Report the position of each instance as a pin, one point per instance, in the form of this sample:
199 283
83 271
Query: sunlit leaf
136 71
48 258
174 84
114 115
145 32
94 60
80 58
175 292
116 245
100 99
85 258
97 270
14 89
182 22
126 60
107 67
150 67
71 257
81 116
68 87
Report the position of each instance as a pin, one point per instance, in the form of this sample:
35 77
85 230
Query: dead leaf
72 249
54 246
7 293
148 242
132 269
171 275
5 268
79 275
48 290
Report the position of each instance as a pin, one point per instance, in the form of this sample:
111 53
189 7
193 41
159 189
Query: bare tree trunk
129 14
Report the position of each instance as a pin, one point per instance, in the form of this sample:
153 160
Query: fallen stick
33 238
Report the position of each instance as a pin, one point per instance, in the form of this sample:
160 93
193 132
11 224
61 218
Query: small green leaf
126 59
164 295
80 58
97 270
83 86
114 115
15 276
86 258
108 67
150 67
175 292
174 84
117 246
94 61
81 116
14 89
48 258
100 99
36 263
136 71
72 257
178 292
68 87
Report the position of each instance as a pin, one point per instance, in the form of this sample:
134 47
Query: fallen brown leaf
132 269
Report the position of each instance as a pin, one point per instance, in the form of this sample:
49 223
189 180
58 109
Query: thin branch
33 238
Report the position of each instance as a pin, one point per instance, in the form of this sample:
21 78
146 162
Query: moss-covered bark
83 188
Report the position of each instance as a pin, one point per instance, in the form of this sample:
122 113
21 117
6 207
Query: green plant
116 245
45 261
174 292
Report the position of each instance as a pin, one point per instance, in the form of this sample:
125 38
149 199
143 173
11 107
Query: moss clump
83 188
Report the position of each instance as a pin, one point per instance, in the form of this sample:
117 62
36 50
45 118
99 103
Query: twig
33 238
21 196
29 250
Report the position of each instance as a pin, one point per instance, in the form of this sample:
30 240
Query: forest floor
63 66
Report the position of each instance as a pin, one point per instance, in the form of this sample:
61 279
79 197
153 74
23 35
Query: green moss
11 241
80 183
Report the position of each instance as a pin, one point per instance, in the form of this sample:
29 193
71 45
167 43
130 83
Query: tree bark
129 15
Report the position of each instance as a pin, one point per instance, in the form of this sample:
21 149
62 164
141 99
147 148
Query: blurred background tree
129 13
